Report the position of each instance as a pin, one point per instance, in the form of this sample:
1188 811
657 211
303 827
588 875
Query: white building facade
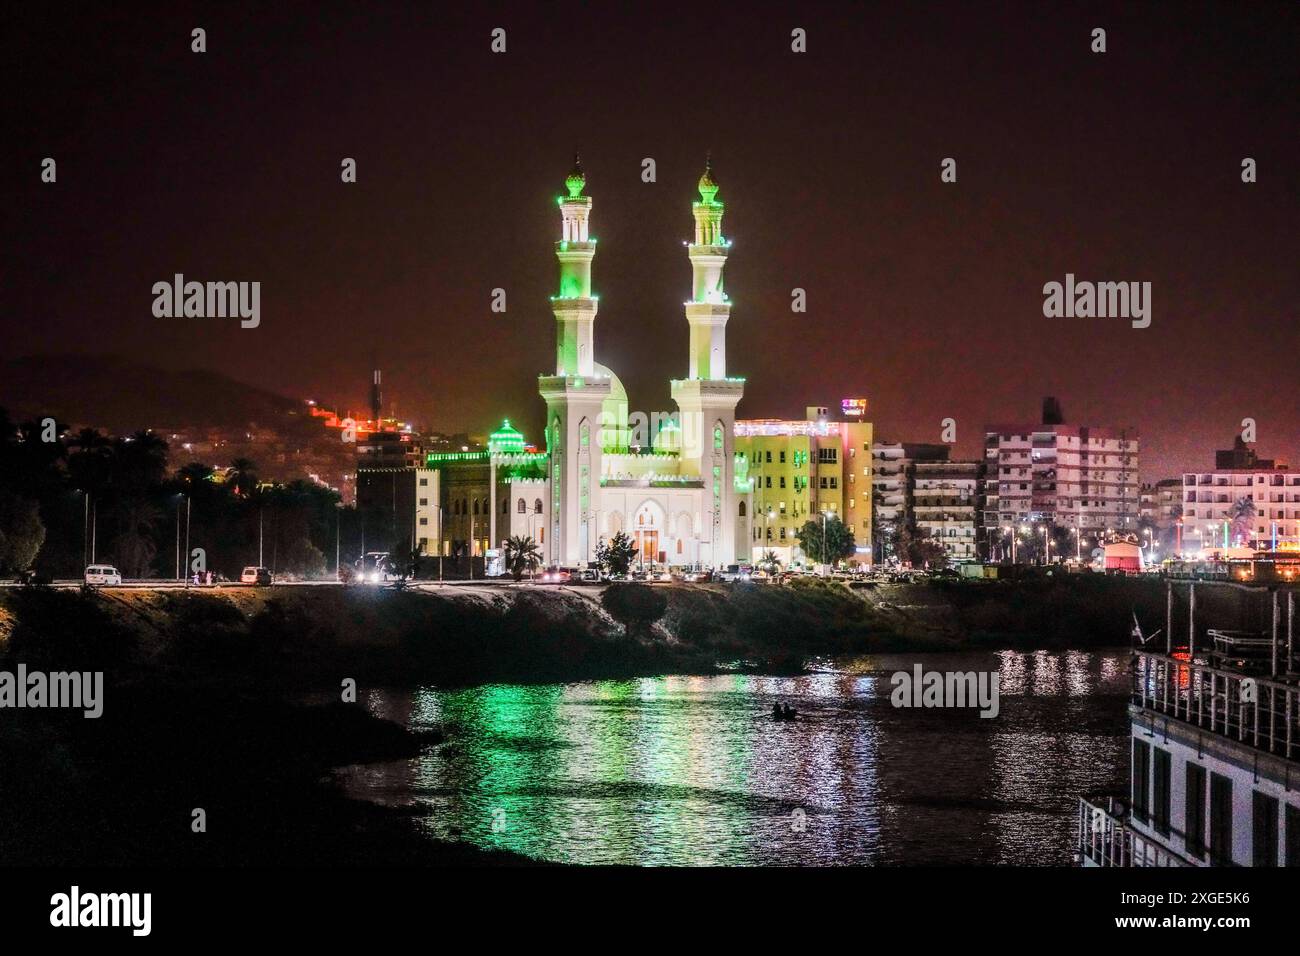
675 487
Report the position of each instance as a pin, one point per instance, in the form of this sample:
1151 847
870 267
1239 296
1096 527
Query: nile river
692 770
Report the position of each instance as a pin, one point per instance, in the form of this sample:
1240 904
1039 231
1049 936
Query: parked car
255 575
588 576
103 574
554 576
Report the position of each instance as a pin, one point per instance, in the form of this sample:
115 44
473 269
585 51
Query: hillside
120 396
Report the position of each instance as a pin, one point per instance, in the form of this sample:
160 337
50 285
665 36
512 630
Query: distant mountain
121 396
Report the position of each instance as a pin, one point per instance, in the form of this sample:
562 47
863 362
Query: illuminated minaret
707 398
708 309
584 402
575 306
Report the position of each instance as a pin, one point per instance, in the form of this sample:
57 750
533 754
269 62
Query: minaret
376 399
575 306
707 398
708 309
580 396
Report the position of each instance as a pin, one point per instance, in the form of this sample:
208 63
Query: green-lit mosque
671 481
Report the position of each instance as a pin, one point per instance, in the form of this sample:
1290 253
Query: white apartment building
1214 514
1073 476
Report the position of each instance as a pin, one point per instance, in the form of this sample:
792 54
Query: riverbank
200 687
313 637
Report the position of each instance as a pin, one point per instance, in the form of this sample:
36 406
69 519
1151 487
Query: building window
782 532
1264 845
424 521
424 502
1141 780
1220 820
537 506
522 507
1160 805
769 458
505 506
782 457
742 512
783 481
424 482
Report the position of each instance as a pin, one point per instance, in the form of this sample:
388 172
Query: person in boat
776 711
788 712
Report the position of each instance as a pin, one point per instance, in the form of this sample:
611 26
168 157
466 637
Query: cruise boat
1214 737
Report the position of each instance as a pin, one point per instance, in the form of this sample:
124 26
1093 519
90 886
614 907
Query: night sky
924 297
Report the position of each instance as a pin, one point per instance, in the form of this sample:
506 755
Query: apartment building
1245 501
802 468
1074 476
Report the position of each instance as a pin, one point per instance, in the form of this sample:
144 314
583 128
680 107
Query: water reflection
692 770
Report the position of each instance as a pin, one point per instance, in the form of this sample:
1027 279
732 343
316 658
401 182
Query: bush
635 606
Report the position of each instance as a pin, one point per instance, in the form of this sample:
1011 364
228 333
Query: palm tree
242 476
522 555
768 561
1242 518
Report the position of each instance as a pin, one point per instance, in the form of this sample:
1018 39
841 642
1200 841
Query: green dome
576 178
505 440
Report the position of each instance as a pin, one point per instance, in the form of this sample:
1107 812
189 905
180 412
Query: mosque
676 486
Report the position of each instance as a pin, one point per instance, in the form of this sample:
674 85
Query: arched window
537 506
522 507
505 506
742 509
464 506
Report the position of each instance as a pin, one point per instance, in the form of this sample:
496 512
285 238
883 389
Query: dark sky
924 297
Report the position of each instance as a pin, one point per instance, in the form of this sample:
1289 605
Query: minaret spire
709 308
575 307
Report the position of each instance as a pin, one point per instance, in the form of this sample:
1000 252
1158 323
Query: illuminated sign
853 407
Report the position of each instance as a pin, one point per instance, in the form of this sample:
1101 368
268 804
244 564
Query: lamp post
85 528
179 496
338 521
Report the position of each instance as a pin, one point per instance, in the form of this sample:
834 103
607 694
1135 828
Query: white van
103 574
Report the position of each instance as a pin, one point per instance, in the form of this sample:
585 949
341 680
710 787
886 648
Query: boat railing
1106 839
1261 712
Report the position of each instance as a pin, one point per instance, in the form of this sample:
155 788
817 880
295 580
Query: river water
693 771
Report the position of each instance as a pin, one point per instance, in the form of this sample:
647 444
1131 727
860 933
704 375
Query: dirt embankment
468 634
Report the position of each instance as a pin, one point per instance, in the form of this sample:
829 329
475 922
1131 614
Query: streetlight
178 496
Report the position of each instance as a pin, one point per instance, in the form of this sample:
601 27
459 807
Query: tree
838 543
304 559
615 557
915 546
21 532
522 555
242 477
134 548
1242 518
635 606
768 561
